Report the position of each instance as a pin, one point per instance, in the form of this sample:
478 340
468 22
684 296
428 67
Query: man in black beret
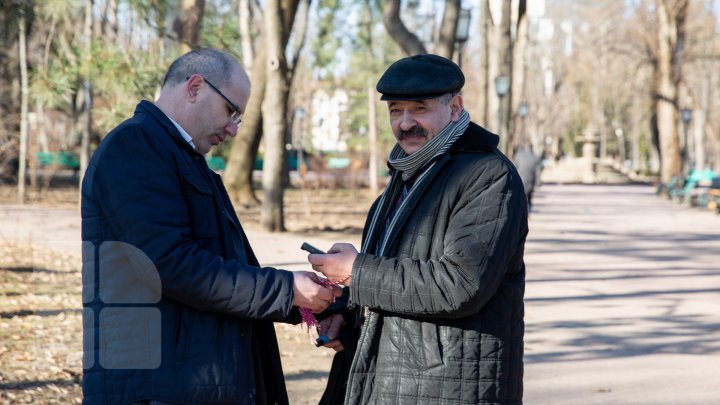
440 275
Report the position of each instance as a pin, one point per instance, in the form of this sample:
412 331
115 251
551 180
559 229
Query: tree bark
274 122
671 20
87 91
22 158
519 49
446 41
505 68
394 26
485 32
243 153
189 24
372 113
245 22
241 163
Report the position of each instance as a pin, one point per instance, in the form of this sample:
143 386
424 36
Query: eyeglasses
237 115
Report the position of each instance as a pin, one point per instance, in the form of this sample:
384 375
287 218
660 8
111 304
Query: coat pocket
200 203
431 345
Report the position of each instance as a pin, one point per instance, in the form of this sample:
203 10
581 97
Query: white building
327 113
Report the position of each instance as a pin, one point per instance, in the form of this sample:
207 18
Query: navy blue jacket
176 307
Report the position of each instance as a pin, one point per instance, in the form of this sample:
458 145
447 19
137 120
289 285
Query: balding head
215 65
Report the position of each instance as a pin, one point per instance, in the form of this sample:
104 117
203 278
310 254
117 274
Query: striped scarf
410 164
406 167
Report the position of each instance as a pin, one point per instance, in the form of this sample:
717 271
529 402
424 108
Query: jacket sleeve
486 231
136 188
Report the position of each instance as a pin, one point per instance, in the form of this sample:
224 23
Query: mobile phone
322 341
311 249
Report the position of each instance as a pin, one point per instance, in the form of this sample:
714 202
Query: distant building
325 121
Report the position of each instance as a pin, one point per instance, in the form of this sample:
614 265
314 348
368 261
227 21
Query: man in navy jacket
176 306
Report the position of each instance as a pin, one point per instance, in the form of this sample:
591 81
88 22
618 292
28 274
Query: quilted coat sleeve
482 246
134 188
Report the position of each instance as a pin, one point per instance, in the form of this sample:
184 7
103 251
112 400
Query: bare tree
446 41
671 41
394 26
240 165
505 69
189 24
238 174
87 92
22 50
279 19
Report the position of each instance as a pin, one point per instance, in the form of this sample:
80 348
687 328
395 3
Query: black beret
420 77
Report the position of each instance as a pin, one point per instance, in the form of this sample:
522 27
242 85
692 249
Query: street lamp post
523 110
502 85
685 117
300 116
462 32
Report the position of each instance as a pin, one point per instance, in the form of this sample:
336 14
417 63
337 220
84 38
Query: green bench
58 159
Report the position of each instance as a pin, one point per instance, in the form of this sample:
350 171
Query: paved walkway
622 297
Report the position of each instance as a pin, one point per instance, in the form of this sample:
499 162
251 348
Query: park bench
215 163
696 186
713 195
66 160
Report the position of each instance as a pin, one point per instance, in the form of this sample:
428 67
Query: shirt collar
184 133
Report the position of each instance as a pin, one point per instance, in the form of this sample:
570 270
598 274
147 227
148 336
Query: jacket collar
476 139
147 107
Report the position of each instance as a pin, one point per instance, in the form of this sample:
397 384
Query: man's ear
456 106
192 87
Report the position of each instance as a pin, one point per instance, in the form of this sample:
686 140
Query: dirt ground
40 301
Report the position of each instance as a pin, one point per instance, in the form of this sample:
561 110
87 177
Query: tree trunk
372 135
519 50
189 25
670 44
446 41
243 153
505 68
274 122
397 30
245 22
88 93
372 113
22 158
485 31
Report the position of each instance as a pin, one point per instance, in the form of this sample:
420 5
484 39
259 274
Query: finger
333 329
337 290
335 345
337 248
316 259
326 294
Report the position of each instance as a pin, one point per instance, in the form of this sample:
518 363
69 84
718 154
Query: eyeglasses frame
235 117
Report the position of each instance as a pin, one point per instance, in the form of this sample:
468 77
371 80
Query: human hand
330 328
311 294
336 264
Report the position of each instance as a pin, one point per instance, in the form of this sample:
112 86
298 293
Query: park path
622 299
622 296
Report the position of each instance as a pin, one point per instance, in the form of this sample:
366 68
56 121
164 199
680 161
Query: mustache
417 130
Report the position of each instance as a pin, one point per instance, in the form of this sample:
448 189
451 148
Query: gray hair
445 98
215 65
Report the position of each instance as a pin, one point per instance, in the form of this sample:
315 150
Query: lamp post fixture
462 32
300 116
685 117
502 85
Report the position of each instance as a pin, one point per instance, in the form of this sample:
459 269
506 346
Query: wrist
345 280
